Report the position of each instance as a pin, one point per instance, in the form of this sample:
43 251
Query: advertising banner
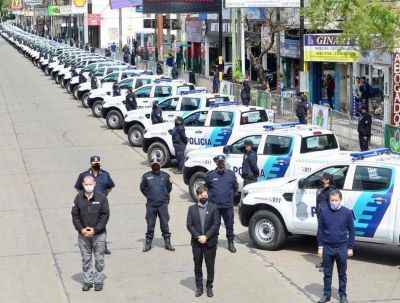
65 10
180 6
53 10
392 138
39 12
327 48
193 30
396 89
320 116
261 3
94 19
226 87
79 6
16 5
125 3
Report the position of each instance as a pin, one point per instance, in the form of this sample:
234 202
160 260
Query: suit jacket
211 224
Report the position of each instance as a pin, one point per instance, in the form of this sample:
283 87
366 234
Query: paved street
46 139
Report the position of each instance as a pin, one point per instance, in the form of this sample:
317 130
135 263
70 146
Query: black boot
147 247
231 246
168 245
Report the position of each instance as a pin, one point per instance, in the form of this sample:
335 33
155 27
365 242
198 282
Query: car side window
196 119
141 82
277 145
162 91
255 116
99 72
372 178
189 104
238 146
126 84
221 118
169 104
339 173
143 92
110 78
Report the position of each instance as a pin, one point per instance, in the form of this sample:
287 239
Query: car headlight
145 131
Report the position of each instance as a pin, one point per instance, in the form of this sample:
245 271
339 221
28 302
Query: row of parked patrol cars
291 157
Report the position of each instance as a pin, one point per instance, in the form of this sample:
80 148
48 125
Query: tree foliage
375 25
4 7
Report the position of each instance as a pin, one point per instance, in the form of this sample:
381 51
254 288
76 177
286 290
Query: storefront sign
396 89
193 30
375 58
27 13
291 48
53 10
328 48
355 109
16 5
65 10
79 6
94 19
320 116
39 12
180 6
125 3
261 3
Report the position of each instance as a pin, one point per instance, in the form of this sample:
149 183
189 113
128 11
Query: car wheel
96 107
75 93
64 82
58 78
68 86
267 231
135 135
114 119
47 71
54 76
196 180
160 151
85 100
61 81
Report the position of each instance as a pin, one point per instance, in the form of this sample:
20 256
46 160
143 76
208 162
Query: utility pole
301 37
220 58
278 52
160 35
120 30
234 30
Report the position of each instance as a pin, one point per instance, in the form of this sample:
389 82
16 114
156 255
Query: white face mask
335 205
89 188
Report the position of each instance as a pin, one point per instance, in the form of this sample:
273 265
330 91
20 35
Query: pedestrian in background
113 50
126 58
175 72
364 128
133 60
203 223
179 141
156 114
250 171
335 243
159 69
302 110
90 215
223 186
365 90
215 84
116 90
156 187
192 77
330 90
245 93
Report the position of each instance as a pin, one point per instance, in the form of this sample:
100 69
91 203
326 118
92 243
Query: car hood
288 184
207 153
137 114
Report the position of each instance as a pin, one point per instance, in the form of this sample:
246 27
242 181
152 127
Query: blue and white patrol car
136 121
114 109
218 125
276 209
280 151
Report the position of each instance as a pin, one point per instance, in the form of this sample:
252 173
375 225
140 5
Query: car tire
266 230
47 71
96 107
85 100
196 180
160 151
68 87
135 135
62 82
114 119
58 79
75 92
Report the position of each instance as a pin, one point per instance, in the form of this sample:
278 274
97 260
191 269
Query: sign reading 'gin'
396 90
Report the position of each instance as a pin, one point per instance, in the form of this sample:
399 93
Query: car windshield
255 116
318 143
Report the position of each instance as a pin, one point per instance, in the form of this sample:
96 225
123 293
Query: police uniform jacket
116 91
249 166
179 135
222 188
103 181
364 125
323 196
156 116
156 188
131 103
93 212
93 82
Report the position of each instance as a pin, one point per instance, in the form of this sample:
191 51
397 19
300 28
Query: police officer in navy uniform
222 186
179 140
156 187
104 183
116 90
364 128
93 80
130 100
250 170
156 114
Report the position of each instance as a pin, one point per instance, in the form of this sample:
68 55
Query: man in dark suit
203 222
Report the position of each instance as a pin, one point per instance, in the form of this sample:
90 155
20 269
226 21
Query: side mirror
227 149
302 183
170 131
148 117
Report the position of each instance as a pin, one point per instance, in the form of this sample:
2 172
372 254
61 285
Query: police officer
222 185
81 78
104 183
156 114
93 80
116 90
130 100
156 187
364 128
179 140
250 170
302 110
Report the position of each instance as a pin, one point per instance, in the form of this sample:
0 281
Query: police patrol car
280 148
275 209
136 121
210 127
114 110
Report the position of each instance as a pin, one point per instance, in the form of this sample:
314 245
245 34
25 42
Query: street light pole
301 37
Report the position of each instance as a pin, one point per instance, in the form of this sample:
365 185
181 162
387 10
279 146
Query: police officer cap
178 119
94 159
219 158
155 103
326 176
248 142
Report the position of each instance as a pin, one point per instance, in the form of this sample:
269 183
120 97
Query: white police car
136 121
280 150
114 109
210 127
275 209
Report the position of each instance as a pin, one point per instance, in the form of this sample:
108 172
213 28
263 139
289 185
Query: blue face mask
335 205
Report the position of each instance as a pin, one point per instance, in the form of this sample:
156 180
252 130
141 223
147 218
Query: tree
375 25
4 7
263 33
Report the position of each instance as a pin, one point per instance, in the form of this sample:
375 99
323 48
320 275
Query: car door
195 128
143 96
370 197
161 92
125 85
189 104
168 107
220 127
304 199
108 81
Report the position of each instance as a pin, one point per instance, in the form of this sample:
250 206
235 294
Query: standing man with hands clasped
250 171
90 214
335 243
203 222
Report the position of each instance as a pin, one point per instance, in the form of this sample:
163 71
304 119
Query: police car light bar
193 91
369 153
163 80
229 103
282 125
